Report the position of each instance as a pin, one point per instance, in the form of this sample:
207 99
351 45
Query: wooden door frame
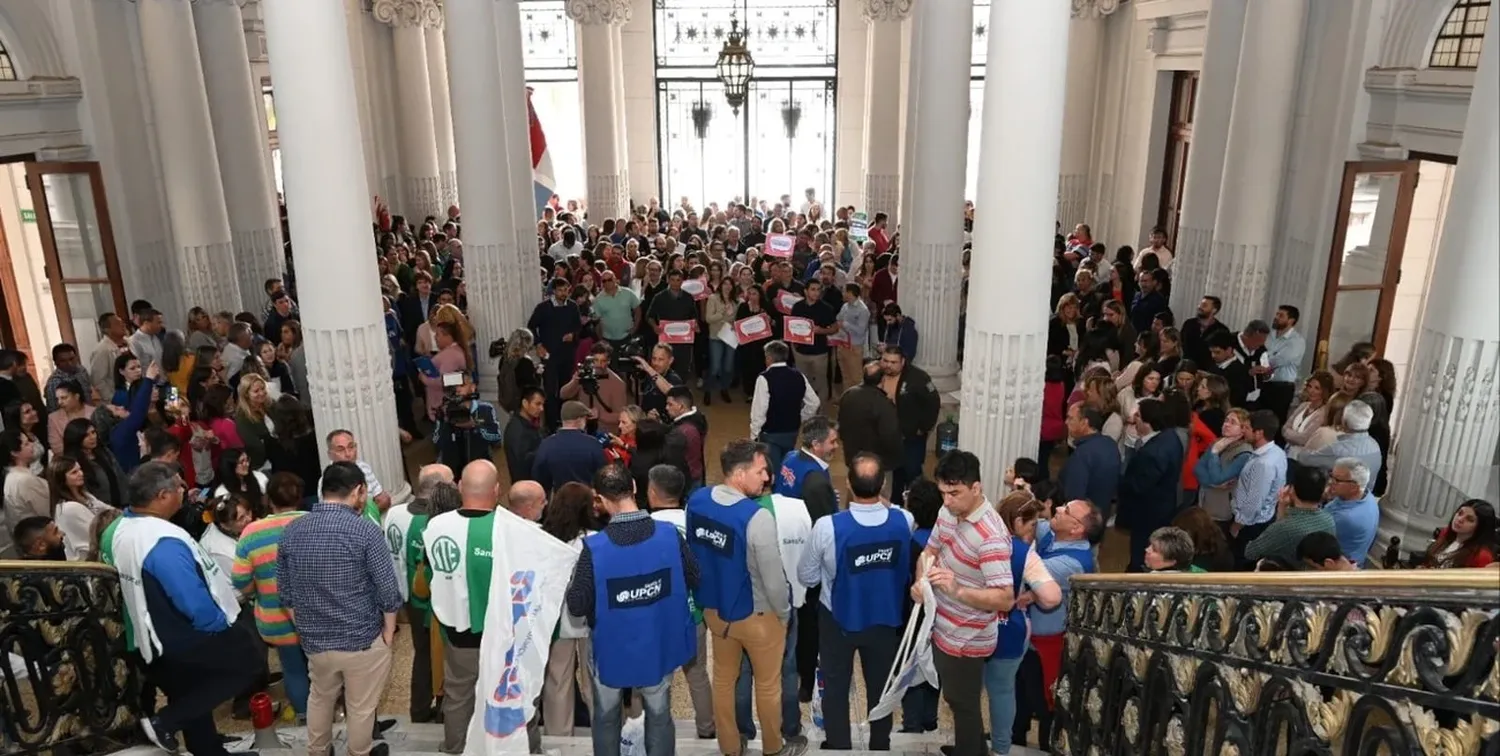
34 173
1174 176
1395 249
12 315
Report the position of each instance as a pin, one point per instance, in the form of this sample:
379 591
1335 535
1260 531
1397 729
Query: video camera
497 348
455 407
588 376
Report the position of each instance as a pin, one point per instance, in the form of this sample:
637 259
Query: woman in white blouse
24 491
1147 384
24 416
231 515
1310 415
73 507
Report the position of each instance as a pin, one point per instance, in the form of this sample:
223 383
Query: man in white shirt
1285 348
342 447
1158 247
783 398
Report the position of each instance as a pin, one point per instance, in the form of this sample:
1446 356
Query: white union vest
134 538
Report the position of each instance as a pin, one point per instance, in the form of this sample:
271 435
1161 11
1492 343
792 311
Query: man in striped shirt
255 573
967 563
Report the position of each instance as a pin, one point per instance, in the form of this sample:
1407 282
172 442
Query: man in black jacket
1226 362
1196 332
869 422
917 402
523 434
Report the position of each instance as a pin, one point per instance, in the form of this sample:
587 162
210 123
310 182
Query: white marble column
518 145
1085 46
241 141
1205 161
189 159
622 133
882 159
1260 134
421 187
933 231
442 116
1006 338
1451 418
500 294
348 367
608 192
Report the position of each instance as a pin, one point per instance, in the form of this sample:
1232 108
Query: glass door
1364 264
79 247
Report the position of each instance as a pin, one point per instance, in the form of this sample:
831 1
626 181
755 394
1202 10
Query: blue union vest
641 613
794 469
874 564
1012 639
717 536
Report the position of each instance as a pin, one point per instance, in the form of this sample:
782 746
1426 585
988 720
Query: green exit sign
28 216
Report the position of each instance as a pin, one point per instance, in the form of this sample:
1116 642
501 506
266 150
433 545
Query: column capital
407 13
598 12
1090 10
885 10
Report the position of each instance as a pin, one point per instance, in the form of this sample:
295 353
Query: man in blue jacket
1093 469
570 454
180 611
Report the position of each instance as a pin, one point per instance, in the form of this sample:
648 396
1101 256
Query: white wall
849 176
24 243
638 49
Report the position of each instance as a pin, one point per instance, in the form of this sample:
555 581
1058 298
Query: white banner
913 659
531 570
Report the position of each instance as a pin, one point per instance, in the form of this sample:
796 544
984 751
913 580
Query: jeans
720 366
1000 685
661 734
778 444
791 710
294 676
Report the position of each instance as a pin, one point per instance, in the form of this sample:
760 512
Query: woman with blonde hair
446 313
250 420
1220 466
1310 415
1333 423
1100 393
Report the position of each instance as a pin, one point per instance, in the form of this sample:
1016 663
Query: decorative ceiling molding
886 10
599 12
427 14
1094 9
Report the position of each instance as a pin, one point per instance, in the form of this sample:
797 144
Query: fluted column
932 247
518 144
1085 45
1450 424
1205 161
882 159
500 295
189 158
1006 338
442 116
1260 132
328 206
240 139
622 134
421 187
598 80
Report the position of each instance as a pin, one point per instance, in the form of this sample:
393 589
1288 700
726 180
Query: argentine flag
543 184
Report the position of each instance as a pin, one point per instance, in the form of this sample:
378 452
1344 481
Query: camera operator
598 387
659 379
467 426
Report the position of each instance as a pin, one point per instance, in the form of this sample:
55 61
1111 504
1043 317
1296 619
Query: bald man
526 500
460 550
404 526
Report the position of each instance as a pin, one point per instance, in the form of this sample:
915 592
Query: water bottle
947 436
1392 558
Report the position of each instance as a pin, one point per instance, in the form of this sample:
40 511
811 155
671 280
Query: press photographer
659 379
467 427
598 386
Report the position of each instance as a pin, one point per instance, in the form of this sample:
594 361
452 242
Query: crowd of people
188 460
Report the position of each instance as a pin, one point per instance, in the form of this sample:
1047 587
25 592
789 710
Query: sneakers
792 747
158 737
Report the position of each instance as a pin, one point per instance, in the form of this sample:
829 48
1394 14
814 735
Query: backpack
510 389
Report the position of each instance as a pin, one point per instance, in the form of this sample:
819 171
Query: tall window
551 54
1458 42
976 93
782 139
7 68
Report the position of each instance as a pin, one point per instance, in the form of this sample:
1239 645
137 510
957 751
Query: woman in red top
1054 409
1469 540
622 447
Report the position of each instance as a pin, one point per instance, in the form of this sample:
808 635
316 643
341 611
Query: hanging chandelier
735 67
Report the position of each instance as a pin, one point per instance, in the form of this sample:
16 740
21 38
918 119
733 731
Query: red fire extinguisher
263 718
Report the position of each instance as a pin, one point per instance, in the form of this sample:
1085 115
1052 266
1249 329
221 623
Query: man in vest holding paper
180 611
744 593
460 552
404 526
862 559
631 585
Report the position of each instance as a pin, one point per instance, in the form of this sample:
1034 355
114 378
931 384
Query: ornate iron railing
1358 664
69 685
